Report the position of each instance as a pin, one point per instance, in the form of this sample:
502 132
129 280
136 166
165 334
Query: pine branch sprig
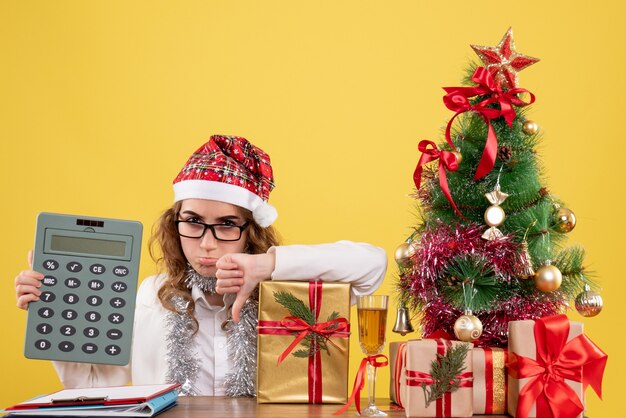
444 371
295 306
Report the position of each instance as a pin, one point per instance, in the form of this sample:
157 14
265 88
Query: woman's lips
207 261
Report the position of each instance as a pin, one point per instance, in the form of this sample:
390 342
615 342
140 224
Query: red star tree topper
503 61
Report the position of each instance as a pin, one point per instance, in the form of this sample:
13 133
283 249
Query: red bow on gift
447 161
457 100
557 359
325 329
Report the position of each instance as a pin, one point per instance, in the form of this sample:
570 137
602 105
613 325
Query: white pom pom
265 214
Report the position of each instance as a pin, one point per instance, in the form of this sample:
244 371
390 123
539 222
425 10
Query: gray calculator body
86 310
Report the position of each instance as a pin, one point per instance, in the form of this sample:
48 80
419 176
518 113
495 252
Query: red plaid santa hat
229 169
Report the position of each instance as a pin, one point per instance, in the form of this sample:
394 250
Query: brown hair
171 259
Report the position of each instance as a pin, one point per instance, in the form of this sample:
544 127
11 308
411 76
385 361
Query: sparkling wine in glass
372 312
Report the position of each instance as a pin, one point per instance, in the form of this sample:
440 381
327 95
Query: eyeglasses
221 232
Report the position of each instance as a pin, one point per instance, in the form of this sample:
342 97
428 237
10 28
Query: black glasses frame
212 228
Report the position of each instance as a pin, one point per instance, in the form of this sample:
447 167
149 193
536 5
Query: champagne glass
372 312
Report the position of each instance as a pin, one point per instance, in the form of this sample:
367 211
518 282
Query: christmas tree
490 245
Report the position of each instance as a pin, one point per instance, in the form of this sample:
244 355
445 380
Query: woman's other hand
27 285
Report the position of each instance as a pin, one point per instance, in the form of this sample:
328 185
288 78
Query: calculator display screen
87 245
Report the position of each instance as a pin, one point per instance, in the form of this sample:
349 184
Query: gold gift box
288 382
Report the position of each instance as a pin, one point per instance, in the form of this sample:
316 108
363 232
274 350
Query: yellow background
102 102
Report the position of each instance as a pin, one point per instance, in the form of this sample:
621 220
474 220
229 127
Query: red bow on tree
458 101
557 359
447 161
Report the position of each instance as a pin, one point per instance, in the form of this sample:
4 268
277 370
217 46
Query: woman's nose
208 241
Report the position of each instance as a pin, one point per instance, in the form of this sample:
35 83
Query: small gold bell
403 322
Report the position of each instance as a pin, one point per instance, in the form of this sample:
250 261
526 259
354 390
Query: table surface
206 406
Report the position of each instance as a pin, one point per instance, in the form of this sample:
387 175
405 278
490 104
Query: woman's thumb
238 305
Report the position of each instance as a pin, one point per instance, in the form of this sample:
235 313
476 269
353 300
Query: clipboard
102 396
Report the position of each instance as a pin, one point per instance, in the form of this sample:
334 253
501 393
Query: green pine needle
301 353
477 275
295 306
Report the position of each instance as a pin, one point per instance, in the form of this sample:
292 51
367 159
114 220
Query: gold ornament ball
565 220
468 328
403 254
530 128
589 303
494 215
458 156
548 278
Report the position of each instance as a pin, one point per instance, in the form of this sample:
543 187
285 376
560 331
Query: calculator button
95 284
42 344
120 271
50 265
90 348
69 314
66 346
74 267
118 302
72 283
116 318
70 298
45 313
94 300
114 334
47 297
68 330
112 350
97 269
119 287
91 332
44 328
92 316
49 280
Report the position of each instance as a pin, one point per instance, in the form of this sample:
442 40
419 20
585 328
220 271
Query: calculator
87 304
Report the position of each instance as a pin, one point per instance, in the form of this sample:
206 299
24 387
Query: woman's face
203 253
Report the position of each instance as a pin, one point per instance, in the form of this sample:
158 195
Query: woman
216 244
